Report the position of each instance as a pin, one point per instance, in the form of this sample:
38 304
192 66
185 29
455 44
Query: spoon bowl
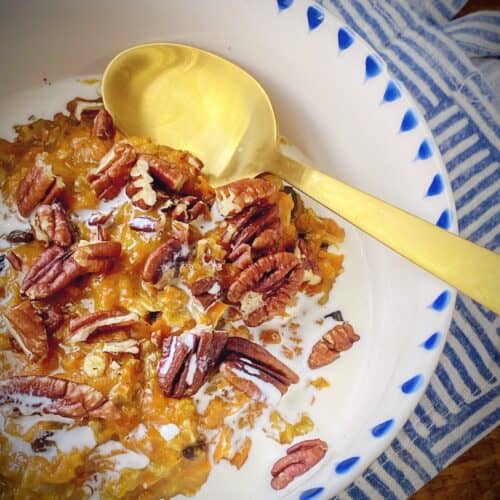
192 99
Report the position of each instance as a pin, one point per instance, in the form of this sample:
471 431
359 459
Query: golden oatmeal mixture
129 290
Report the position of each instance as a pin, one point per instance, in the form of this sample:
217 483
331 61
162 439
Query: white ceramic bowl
338 104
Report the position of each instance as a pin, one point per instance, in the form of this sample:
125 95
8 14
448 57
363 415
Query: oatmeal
129 301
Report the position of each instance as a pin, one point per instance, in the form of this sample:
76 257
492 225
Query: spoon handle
473 270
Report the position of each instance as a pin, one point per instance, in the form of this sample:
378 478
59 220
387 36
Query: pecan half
255 371
53 270
312 271
103 127
97 257
57 396
339 338
51 225
257 228
160 267
27 328
188 360
235 196
206 291
113 171
39 185
140 188
103 321
298 460
266 287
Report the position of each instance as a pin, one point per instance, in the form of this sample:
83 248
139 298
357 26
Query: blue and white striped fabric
441 61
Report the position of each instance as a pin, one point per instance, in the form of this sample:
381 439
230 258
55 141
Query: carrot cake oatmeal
139 306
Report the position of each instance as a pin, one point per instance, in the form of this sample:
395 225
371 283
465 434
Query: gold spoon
195 100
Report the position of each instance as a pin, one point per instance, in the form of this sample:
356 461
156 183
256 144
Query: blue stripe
364 13
458 419
437 403
474 213
417 440
494 243
397 474
489 421
489 315
449 385
423 416
355 492
485 182
380 486
478 330
471 351
410 460
485 228
450 353
449 122
340 7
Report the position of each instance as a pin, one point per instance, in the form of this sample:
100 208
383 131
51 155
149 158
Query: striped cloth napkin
449 67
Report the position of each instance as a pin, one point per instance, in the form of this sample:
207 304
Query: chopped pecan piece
57 396
160 267
84 109
312 271
140 188
188 360
129 346
169 174
298 460
103 127
186 208
339 338
53 270
266 287
235 196
255 371
52 317
97 257
113 171
103 321
14 260
26 327
39 185
207 291
51 225
18 236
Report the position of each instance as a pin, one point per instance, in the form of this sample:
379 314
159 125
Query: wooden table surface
476 474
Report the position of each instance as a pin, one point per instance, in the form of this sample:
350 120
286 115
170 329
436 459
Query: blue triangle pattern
314 17
409 122
432 342
412 384
383 428
444 220
346 465
392 92
345 39
441 301
436 187
373 66
284 4
425 150
311 493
